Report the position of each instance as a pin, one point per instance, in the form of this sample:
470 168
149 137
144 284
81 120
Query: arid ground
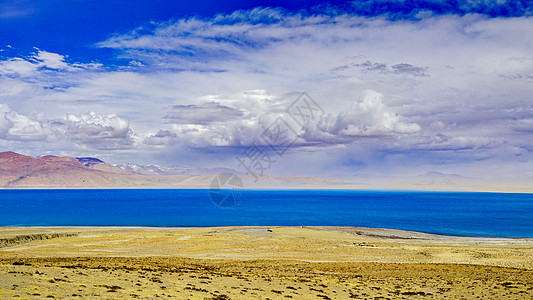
259 263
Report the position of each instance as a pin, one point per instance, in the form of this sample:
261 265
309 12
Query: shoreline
258 262
330 234
381 229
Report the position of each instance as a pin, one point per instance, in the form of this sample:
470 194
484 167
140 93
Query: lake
451 213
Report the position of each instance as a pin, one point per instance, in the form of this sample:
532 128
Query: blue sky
406 87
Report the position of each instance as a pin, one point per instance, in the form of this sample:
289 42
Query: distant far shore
472 190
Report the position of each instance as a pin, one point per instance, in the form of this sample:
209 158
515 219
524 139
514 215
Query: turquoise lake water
453 213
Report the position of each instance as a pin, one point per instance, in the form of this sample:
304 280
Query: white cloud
198 127
87 131
30 66
24 128
15 126
99 131
444 71
17 66
51 60
445 84
4 123
523 125
369 117
236 133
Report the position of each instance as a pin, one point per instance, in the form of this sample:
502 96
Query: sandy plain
259 263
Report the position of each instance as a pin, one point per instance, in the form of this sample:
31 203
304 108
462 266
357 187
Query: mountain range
21 171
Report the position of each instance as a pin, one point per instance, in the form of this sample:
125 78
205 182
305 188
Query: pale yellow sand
260 262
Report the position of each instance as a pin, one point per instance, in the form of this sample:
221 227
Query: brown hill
21 171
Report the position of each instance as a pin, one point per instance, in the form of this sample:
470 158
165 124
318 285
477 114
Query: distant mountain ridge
172 170
19 171
22 171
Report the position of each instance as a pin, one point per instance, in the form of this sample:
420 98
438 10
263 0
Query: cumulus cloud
15 126
236 133
87 130
51 60
99 131
218 123
24 128
369 117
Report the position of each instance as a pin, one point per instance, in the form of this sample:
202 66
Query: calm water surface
455 213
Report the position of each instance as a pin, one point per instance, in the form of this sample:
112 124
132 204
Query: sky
398 87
